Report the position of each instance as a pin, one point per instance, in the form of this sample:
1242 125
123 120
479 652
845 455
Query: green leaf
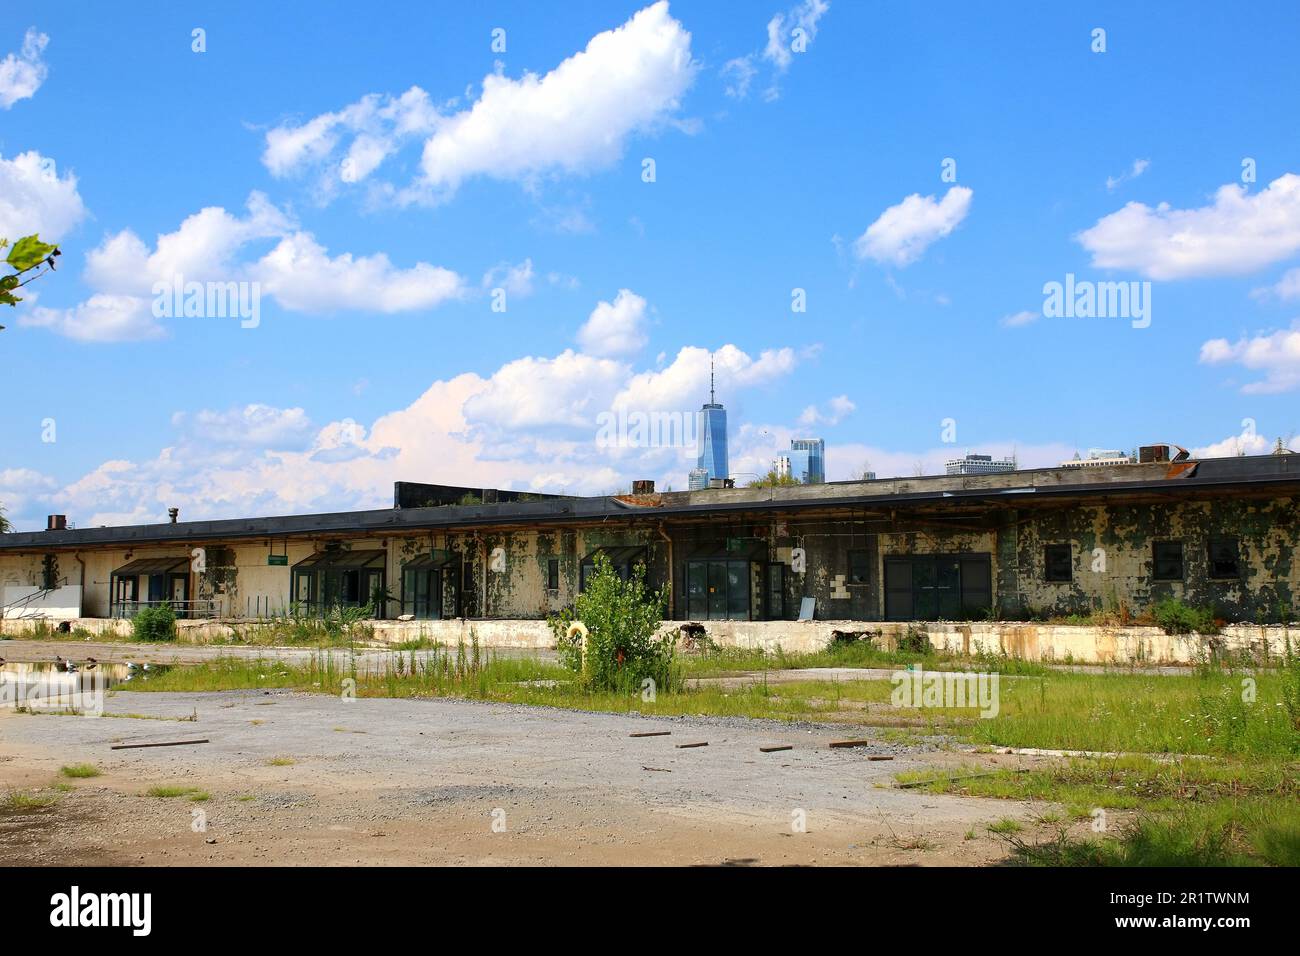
29 252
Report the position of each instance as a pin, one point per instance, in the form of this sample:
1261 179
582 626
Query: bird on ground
90 663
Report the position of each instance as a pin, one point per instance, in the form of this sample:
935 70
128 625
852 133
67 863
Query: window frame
1156 561
1049 561
1210 559
864 555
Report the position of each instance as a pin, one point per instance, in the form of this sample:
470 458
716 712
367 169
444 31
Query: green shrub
915 641
622 619
155 623
1175 617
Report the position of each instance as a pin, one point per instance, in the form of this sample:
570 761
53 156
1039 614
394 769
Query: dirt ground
312 779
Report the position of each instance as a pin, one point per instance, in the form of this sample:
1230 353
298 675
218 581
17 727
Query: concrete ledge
1036 642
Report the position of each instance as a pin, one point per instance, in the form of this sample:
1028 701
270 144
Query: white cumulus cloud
22 73
903 232
1238 233
615 328
212 245
34 198
1274 354
576 118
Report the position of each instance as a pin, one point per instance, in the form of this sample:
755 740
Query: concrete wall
59 604
1038 642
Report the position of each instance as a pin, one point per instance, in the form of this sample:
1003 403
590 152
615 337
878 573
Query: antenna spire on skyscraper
711 401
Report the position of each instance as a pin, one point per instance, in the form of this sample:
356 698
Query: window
1167 561
553 574
1225 558
859 567
1058 564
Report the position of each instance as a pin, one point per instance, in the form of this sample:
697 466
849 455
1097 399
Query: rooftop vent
56 523
173 513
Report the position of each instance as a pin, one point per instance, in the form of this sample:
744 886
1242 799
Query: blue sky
377 177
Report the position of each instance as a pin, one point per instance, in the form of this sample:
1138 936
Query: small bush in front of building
1175 617
155 623
623 647
915 641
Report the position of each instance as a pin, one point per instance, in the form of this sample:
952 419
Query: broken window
1058 563
1225 557
553 574
1167 561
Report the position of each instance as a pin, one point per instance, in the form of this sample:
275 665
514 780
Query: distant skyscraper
980 465
697 480
808 460
781 466
713 438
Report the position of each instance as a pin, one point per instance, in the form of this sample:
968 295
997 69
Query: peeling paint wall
1118 541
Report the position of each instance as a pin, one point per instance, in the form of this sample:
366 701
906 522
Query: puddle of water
105 674
54 688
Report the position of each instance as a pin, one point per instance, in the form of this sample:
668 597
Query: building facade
1222 534
979 465
808 460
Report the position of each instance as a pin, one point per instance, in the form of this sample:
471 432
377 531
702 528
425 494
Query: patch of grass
80 770
19 801
1204 812
1202 713
169 792
281 762
246 798
911 843
199 796
1223 833
721 661
1005 826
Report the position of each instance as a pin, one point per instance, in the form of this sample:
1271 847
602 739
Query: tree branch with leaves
25 258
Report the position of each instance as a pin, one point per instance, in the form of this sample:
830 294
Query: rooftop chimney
56 523
643 486
173 513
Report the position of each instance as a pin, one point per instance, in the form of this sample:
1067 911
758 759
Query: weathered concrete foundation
1036 642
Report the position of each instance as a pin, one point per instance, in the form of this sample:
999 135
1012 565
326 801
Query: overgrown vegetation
338 626
80 770
1135 811
617 645
167 793
1175 617
716 661
157 622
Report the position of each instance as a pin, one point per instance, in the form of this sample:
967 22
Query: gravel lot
376 781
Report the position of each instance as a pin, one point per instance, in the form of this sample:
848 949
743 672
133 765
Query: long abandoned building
1026 545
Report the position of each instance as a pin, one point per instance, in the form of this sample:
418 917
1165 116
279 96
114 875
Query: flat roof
1263 473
